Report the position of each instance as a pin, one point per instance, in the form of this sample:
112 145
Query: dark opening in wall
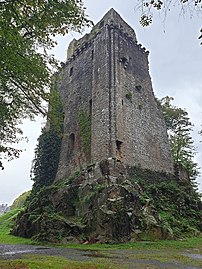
71 71
71 142
90 107
124 61
140 107
122 102
119 154
92 54
118 144
138 88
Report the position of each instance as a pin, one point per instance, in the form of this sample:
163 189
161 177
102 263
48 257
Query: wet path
119 257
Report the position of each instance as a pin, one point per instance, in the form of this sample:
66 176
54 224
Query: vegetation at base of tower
177 203
27 31
58 211
84 120
47 152
179 129
46 158
188 8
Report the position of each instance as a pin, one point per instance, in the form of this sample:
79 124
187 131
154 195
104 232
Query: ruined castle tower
109 105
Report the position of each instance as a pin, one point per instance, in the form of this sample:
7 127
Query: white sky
175 68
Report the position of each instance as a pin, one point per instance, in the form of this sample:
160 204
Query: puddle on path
193 256
16 252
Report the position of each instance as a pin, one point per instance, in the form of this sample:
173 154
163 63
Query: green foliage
88 197
46 159
179 130
47 152
20 201
55 114
129 95
54 262
27 30
84 119
178 204
149 7
6 223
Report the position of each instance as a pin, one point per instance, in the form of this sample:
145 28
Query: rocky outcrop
101 203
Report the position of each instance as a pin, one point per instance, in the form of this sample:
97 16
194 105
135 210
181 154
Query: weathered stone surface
109 106
99 205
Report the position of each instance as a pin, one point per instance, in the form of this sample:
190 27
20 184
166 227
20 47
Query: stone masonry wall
139 123
75 87
109 106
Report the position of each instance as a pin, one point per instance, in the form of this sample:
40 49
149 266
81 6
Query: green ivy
47 152
129 95
178 203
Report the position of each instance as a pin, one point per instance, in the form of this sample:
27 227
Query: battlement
113 20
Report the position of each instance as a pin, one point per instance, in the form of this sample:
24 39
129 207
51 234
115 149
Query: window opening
124 61
71 71
119 154
138 88
90 106
92 54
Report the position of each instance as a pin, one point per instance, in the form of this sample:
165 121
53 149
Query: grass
177 245
162 251
48 262
167 256
6 221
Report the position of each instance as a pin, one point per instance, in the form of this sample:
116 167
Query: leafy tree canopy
179 129
19 202
27 30
187 7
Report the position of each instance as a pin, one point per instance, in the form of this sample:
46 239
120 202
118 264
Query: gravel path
118 257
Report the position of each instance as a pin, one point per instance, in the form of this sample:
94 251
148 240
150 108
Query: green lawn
46 262
164 251
6 221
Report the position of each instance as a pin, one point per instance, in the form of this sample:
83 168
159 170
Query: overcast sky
175 67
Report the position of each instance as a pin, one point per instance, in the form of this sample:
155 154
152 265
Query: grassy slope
164 251
5 226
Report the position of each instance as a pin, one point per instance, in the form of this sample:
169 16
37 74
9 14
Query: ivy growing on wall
45 163
129 95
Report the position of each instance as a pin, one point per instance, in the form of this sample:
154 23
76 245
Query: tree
148 7
179 129
27 30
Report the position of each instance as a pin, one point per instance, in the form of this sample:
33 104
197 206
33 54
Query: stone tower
109 105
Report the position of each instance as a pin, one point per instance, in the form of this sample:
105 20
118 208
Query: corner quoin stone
110 110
